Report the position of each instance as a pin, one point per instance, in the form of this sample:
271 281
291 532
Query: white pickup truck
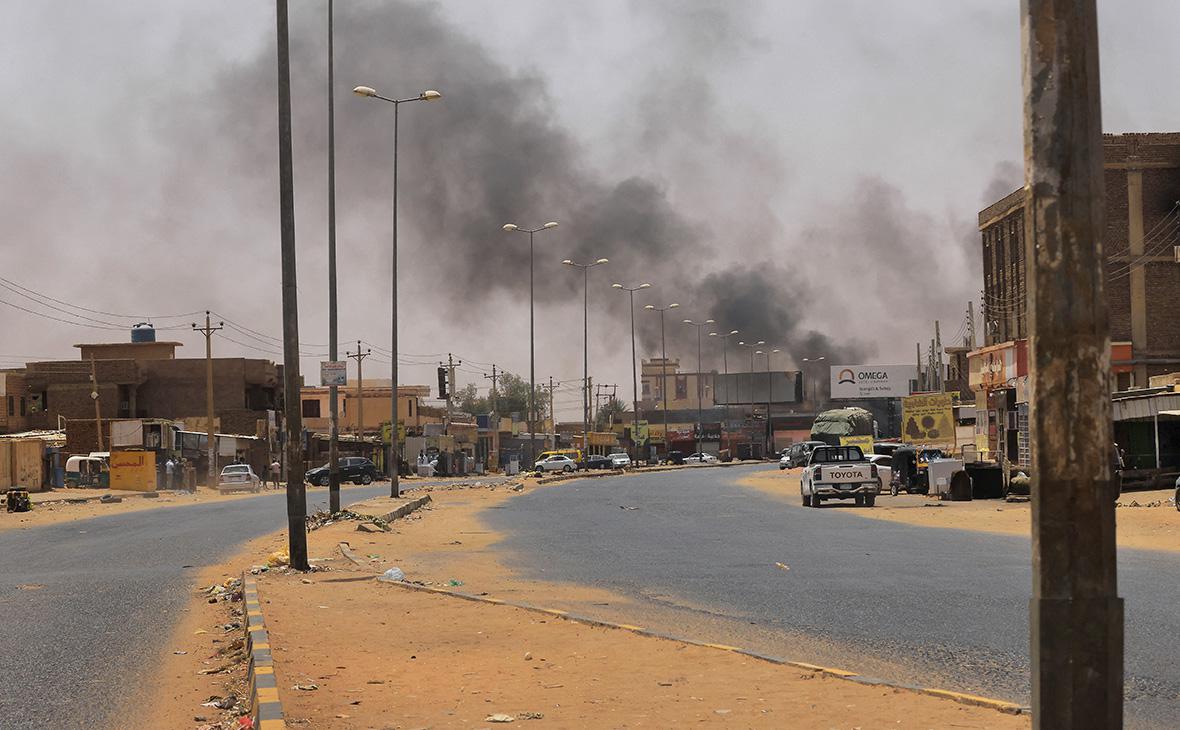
839 472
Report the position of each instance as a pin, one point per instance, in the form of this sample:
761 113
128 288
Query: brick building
146 380
1142 179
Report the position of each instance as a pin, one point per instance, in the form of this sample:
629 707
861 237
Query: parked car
700 458
884 466
597 461
239 476
556 462
674 457
784 459
355 469
839 472
798 453
619 460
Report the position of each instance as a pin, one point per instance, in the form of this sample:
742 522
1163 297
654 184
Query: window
311 409
12 405
22 405
681 387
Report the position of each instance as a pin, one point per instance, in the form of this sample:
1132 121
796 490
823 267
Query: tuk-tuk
905 475
87 471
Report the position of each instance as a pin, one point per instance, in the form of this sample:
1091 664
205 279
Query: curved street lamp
700 390
724 337
769 445
428 95
634 378
532 415
585 347
663 366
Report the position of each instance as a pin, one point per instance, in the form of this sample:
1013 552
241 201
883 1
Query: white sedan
784 461
619 460
884 466
557 462
700 458
239 476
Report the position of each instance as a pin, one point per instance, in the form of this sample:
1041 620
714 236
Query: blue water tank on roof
143 332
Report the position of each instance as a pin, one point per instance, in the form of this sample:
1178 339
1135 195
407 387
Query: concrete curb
411 506
1010 708
265 708
640 470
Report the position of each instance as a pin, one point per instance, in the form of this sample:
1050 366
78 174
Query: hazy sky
806 172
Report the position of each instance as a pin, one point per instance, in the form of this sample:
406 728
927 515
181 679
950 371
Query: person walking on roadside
275 470
169 473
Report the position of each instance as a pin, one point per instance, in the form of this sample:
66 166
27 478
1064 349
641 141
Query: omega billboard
872 381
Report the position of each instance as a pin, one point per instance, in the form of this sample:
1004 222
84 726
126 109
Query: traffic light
442 384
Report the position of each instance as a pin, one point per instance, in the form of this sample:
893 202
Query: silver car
239 476
619 460
557 462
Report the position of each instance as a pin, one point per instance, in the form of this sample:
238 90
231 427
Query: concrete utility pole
1077 615
296 492
211 447
492 395
552 436
971 325
450 391
940 375
360 356
97 406
333 394
921 376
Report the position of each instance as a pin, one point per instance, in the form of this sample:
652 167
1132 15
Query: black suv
355 469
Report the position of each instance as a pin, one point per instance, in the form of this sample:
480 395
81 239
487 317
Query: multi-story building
373 399
1142 231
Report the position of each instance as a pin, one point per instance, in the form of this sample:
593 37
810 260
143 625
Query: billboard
928 420
757 388
872 381
333 372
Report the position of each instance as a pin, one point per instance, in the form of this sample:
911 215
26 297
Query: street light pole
634 378
725 364
752 347
585 348
663 367
769 445
700 390
428 95
333 392
815 390
532 414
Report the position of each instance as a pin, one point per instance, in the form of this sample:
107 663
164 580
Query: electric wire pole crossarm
428 95
634 377
585 347
532 414
211 447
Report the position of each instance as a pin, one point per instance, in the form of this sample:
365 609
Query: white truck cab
839 472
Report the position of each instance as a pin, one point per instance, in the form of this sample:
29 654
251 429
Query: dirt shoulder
383 656
1146 520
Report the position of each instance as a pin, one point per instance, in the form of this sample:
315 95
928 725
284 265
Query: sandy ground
1146 520
386 657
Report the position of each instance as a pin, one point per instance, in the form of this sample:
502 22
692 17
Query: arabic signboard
333 372
872 381
864 442
928 420
133 470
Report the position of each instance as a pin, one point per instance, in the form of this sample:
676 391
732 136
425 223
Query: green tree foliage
512 396
614 409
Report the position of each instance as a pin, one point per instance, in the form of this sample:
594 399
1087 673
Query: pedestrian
169 473
274 470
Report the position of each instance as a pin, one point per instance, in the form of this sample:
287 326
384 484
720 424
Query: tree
612 411
512 396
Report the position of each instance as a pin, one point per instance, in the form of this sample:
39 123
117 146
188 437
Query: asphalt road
85 605
944 608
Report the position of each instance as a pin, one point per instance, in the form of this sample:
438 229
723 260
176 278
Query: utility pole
360 356
1076 617
921 377
586 416
971 325
492 395
211 447
296 492
333 333
553 424
450 391
940 376
94 397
